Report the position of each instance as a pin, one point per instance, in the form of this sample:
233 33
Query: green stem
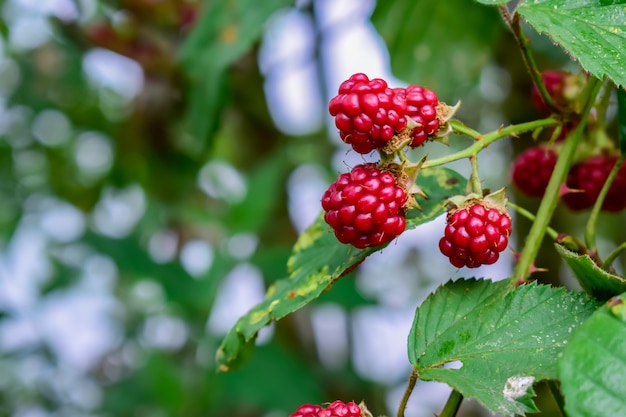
520 210
459 127
603 104
485 140
516 28
590 231
616 252
407 392
551 195
452 405
474 179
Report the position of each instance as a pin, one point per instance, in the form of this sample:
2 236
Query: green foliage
592 369
318 260
430 54
593 279
506 340
592 31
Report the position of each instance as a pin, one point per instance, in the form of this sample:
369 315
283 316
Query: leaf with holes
592 369
591 31
318 260
505 339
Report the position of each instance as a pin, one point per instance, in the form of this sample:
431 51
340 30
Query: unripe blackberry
307 410
365 207
475 234
367 112
532 170
585 180
422 109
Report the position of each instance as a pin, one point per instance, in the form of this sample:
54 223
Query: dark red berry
367 112
554 81
585 180
341 409
307 410
421 107
532 170
475 234
365 207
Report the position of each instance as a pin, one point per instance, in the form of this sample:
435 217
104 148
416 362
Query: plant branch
487 139
520 210
516 28
407 392
613 255
551 195
452 405
590 230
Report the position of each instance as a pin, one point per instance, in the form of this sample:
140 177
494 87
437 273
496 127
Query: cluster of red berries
366 207
533 167
336 409
475 234
368 113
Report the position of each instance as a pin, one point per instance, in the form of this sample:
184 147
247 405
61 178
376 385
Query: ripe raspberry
422 108
307 410
339 409
475 234
367 112
589 177
532 170
365 207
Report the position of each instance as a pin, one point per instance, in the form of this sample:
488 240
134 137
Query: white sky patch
516 386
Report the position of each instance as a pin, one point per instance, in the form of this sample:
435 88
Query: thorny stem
485 140
590 231
613 255
551 195
474 178
603 104
459 127
520 210
407 392
514 23
452 405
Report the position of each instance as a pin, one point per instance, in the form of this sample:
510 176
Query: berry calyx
475 233
585 180
367 112
422 109
365 207
532 170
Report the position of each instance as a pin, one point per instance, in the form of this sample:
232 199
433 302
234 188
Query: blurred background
158 159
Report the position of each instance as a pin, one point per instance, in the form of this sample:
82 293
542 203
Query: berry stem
459 127
407 392
613 255
590 230
516 28
474 179
522 211
603 104
486 139
452 405
551 196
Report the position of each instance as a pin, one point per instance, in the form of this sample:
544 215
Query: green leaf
505 339
592 369
591 31
318 260
592 278
226 31
621 118
431 54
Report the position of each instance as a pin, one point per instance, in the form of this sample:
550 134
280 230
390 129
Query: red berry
554 81
585 180
307 410
340 409
367 112
365 207
475 234
532 170
422 109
